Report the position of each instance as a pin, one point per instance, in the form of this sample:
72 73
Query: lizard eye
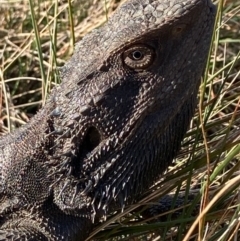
138 56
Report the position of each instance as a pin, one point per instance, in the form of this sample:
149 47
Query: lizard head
116 122
126 99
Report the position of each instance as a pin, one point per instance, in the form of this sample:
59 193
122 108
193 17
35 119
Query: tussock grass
38 36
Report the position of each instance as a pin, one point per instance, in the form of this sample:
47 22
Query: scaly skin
112 127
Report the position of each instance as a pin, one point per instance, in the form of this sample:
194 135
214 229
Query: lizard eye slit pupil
138 56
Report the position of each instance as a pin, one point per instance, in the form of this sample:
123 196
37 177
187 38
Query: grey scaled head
129 94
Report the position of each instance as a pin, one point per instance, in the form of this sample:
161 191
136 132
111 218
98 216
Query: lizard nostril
212 7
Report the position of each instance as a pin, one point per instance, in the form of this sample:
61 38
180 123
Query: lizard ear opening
91 139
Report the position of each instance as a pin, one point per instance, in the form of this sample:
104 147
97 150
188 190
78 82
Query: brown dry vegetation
28 77
209 155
